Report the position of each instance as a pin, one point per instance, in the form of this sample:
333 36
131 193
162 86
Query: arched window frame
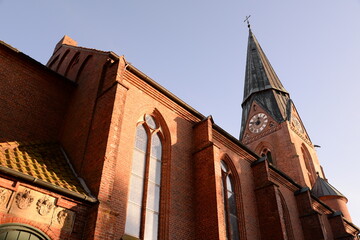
265 149
309 165
20 227
164 136
266 152
285 216
235 180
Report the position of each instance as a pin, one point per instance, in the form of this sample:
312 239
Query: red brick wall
176 211
243 183
337 203
33 100
207 221
78 118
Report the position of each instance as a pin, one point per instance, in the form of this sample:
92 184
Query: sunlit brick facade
132 144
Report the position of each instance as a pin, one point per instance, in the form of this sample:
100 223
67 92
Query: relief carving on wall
44 206
64 219
24 199
5 195
62 216
36 206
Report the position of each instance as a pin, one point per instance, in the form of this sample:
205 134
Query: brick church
93 148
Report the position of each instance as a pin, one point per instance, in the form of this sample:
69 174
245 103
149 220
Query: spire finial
247 20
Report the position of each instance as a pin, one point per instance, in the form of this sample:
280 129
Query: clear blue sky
197 50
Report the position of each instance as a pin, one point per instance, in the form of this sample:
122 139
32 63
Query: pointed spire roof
259 75
322 188
262 85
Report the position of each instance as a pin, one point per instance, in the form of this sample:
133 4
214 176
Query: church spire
262 85
259 75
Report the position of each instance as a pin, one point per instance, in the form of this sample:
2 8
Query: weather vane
247 20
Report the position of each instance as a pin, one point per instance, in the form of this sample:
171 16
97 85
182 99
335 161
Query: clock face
297 124
258 122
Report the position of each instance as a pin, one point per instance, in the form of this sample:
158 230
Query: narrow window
266 152
142 218
309 165
231 220
286 218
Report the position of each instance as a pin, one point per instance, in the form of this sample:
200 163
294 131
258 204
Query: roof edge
164 91
173 97
47 185
20 54
235 140
82 182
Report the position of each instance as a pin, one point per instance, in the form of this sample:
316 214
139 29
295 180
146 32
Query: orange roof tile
45 161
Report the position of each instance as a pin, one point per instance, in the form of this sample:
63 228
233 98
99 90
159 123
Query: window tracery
142 218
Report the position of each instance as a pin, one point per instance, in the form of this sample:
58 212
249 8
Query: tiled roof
259 74
44 161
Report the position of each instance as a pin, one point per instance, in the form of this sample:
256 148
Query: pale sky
197 50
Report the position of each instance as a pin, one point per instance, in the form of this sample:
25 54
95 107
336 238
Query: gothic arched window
142 217
266 152
309 165
230 209
285 216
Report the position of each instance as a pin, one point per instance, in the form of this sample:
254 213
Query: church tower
271 126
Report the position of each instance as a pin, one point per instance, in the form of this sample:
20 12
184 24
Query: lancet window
266 152
309 165
230 209
142 217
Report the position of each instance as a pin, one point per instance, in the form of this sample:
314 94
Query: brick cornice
160 94
319 207
232 146
280 180
307 141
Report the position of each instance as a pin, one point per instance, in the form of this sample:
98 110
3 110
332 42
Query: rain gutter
47 185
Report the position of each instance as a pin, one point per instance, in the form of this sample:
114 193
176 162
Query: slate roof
262 85
259 74
44 161
322 188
